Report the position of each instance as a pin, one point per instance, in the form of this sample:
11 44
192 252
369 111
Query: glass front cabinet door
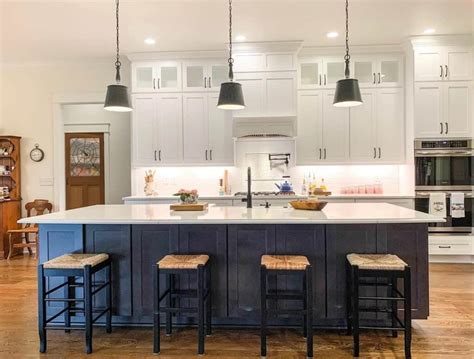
204 75
162 76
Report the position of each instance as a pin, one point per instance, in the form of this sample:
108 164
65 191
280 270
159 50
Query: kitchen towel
438 204
457 205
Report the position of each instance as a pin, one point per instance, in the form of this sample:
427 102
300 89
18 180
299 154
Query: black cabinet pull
205 82
158 82
441 74
324 79
447 128
380 77
375 152
159 155
446 74
324 153
210 83
319 80
206 155
320 154
441 131
445 247
374 78
154 87
155 155
380 152
210 155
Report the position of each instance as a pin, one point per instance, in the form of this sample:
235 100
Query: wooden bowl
308 205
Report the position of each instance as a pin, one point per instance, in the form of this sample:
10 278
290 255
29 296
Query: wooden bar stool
172 265
72 266
283 264
391 267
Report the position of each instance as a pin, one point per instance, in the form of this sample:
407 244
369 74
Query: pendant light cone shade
347 93
117 99
231 96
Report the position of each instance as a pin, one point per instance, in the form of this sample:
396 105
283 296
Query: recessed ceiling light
332 34
240 38
429 31
150 41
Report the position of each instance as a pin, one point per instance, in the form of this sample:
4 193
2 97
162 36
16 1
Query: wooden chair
39 206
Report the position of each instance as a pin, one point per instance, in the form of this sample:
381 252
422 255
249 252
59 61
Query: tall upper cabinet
443 89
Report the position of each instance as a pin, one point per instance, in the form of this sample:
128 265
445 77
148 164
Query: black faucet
249 188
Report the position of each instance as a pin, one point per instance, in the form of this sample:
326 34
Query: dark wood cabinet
150 243
309 241
341 240
10 213
115 240
247 243
410 243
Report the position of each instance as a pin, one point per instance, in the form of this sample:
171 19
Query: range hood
264 127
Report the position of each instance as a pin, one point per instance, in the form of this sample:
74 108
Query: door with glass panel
160 76
310 73
218 72
389 71
84 169
143 77
365 70
333 70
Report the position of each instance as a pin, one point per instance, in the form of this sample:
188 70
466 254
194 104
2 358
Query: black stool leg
309 313
305 308
393 294
355 308
200 293
169 280
407 295
42 308
263 309
88 306
69 294
156 309
108 299
348 299
209 301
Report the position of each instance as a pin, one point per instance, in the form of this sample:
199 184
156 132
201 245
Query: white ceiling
55 30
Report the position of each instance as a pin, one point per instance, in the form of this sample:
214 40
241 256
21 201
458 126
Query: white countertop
334 213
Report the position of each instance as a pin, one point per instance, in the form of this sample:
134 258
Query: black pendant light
117 98
347 90
231 96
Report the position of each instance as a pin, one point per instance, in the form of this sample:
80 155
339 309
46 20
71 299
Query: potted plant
187 196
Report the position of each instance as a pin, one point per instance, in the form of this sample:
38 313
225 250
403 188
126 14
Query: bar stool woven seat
272 262
376 261
75 261
189 261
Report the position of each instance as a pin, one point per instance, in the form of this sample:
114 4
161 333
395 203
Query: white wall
27 96
84 117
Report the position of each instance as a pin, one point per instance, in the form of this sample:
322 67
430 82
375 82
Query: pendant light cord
117 62
347 57
231 60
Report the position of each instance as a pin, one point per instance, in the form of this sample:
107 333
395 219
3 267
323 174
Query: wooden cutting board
189 207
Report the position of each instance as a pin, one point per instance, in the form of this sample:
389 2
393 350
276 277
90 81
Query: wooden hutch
10 188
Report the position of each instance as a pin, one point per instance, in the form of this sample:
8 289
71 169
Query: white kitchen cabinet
271 61
335 130
207 131
443 63
204 75
268 93
390 125
308 140
443 109
363 118
320 72
157 129
323 130
378 70
158 76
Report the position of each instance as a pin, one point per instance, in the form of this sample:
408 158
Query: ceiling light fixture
347 90
240 38
117 98
150 41
230 95
332 34
429 31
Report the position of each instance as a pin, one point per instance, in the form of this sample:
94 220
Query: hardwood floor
449 333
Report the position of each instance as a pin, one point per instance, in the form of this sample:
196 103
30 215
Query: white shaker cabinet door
280 93
144 127
195 128
457 97
310 115
253 88
429 64
429 110
459 63
221 143
335 130
170 128
362 128
390 125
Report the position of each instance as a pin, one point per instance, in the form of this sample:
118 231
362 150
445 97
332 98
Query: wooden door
84 169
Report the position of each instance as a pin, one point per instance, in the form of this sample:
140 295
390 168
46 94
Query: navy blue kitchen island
137 236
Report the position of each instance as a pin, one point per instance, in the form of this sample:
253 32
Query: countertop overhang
333 213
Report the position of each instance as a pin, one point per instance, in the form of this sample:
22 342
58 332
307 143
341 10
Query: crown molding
354 49
442 40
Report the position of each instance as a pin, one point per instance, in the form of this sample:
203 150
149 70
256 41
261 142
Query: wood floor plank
448 333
